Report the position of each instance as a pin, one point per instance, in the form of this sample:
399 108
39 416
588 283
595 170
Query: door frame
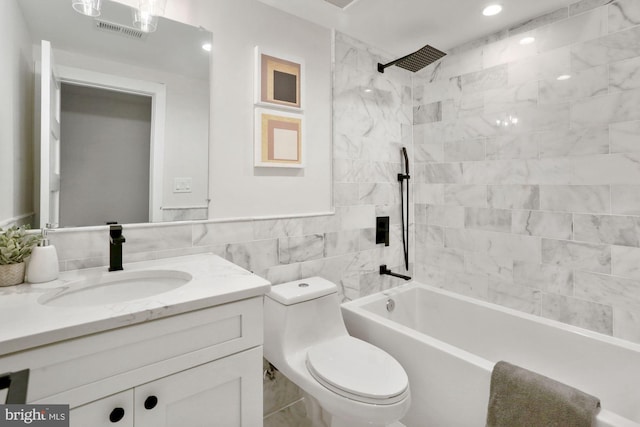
157 93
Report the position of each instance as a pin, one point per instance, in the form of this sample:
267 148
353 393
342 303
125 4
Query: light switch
182 185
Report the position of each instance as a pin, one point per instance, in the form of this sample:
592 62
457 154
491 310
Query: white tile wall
559 231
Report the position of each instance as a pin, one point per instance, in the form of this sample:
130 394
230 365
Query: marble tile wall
527 189
372 119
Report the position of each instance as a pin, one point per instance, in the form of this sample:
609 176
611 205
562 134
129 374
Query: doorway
104 156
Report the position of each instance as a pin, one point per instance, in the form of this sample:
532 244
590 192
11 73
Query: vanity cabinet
220 393
194 369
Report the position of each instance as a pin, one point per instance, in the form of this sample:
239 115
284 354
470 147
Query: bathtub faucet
384 270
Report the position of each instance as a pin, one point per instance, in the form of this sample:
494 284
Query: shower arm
381 67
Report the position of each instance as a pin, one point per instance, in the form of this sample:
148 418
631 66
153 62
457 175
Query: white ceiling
400 27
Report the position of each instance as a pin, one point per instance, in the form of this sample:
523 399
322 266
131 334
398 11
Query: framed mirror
123 134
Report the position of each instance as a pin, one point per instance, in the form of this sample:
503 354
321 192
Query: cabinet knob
150 402
116 415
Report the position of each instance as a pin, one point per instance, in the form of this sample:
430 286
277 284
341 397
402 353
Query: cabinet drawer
121 358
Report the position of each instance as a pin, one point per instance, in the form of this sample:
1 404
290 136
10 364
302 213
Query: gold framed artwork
278 138
279 80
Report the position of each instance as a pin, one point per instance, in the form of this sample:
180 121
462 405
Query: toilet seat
358 370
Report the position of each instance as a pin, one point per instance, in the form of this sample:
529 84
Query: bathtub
449 343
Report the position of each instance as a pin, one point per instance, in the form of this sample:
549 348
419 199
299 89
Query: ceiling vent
112 28
342 4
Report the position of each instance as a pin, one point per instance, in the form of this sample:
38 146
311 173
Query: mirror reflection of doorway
105 144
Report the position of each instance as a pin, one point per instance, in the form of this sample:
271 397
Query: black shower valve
382 230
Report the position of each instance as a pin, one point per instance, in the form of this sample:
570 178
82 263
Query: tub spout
384 270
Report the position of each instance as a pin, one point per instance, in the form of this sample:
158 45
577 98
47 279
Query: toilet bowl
356 383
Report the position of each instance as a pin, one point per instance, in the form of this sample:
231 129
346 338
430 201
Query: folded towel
519 398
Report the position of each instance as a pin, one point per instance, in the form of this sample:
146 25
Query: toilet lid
358 370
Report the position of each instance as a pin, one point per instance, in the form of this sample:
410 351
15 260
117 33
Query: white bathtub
448 345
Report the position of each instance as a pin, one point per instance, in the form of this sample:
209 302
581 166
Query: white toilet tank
299 314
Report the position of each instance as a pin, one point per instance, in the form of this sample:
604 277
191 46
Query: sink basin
115 287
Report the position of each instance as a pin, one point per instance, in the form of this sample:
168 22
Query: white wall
16 113
237 188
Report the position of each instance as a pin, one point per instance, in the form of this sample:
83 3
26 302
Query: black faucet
116 239
385 270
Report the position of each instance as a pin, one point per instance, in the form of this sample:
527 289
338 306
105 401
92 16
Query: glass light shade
152 7
145 18
87 7
144 21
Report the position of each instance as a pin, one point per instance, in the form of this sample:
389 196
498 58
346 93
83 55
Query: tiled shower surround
542 215
529 185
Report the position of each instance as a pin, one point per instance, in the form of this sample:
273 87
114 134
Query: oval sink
115 287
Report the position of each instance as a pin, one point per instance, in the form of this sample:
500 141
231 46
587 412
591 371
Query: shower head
415 61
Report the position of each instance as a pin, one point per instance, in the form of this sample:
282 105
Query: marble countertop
27 323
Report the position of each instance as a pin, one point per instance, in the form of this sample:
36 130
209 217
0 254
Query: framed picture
279 80
278 139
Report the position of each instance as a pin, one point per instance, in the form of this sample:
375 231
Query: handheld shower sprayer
402 177
405 211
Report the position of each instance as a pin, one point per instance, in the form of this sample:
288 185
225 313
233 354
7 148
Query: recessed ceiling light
527 40
492 9
207 47
564 77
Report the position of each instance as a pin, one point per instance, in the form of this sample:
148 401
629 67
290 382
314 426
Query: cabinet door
112 411
223 393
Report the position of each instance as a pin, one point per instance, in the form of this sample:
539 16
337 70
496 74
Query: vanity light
527 40
207 47
492 9
564 77
145 22
145 18
87 7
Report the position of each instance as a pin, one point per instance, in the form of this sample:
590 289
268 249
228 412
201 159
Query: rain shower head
415 61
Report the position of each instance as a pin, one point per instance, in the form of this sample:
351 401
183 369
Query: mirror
105 68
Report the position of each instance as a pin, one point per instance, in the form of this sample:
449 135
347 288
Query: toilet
348 381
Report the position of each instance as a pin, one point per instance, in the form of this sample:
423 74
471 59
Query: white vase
11 274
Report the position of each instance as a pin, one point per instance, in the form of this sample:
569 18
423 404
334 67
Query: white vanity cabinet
219 393
199 368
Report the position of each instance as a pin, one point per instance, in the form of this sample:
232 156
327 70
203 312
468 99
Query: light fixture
87 7
564 77
145 17
145 22
207 46
492 9
527 40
